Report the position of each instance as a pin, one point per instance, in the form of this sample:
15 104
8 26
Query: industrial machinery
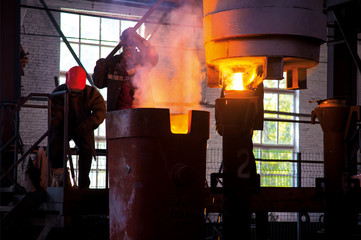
341 192
247 42
251 37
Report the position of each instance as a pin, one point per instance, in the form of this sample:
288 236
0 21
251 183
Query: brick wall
311 136
38 37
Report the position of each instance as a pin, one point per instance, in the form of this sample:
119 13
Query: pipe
338 217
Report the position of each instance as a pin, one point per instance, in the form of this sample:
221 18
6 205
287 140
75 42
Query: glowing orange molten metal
235 82
240 77
179 123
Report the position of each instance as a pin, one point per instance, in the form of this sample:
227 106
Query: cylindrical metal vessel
339 218
247 32
333 119
156 178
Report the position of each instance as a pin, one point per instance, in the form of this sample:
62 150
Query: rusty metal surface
156 177
333 121
275 199
340 205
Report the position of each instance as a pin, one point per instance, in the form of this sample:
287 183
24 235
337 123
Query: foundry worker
117 74
86 112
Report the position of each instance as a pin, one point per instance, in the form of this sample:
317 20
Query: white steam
175 83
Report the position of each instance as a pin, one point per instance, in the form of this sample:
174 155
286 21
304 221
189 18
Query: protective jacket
86 112
118 73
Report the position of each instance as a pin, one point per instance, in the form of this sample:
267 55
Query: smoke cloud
175 83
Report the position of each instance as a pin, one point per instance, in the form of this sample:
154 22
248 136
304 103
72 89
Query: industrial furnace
247 42
156 177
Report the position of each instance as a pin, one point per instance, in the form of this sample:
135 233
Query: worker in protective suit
117 73
86 112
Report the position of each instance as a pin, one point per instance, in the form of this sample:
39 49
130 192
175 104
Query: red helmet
76 78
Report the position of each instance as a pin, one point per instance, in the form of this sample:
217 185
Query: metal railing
15 139
303 170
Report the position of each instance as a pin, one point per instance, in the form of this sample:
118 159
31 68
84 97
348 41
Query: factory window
92 35
277 140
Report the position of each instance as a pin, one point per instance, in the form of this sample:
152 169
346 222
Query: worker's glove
101 64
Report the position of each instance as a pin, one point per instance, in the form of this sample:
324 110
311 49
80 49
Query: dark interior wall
9 78
9 60
344 25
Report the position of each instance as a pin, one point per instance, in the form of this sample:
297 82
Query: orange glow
239 78
179 123
235 82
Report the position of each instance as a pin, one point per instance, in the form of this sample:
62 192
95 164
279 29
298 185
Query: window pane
61 80
286 103
270 83
90 29
70 25
101 130
256 138
104 51
89 55
127 24
110 31
270 104
276 154
103 92
277 173
141 30
101 179
93 178
285 133
257 153
282 83
100 143
101 162
275 180
269 135
67 60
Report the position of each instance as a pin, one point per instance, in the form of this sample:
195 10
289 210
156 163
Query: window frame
78 41
260 147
